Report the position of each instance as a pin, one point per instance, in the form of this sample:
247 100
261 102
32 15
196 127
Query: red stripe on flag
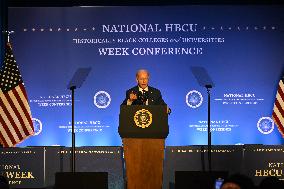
279 107
17 113
7 130
280 92
11 120
21 85
26 112
3 141
278 123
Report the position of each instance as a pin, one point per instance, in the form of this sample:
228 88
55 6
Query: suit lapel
136 89
150 97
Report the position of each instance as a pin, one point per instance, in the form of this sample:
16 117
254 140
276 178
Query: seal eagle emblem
143 118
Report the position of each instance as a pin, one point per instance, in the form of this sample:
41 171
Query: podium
143 130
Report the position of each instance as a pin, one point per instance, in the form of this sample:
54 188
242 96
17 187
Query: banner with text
241 48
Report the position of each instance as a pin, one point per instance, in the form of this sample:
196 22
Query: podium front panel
140 121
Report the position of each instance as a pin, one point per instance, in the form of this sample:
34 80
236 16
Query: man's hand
132 96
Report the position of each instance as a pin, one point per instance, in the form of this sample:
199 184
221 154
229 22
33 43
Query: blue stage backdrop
241 47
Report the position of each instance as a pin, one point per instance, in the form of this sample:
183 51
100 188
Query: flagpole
8 34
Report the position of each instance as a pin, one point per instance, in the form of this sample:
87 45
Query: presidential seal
194 99
37 126
102 99
265 125
143 118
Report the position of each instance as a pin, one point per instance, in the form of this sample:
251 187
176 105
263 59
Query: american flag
15 114
278 109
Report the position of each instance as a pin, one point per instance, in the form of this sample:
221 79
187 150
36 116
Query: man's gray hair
142 70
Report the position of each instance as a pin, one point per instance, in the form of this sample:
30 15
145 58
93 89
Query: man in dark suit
142 94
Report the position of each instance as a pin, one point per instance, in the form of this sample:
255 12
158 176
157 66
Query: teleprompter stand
76 82
204 80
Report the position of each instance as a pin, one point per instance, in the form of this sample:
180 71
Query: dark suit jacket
154 96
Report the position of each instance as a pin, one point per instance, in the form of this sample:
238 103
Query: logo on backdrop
143 118
265 125
194 99
102 99
37 126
